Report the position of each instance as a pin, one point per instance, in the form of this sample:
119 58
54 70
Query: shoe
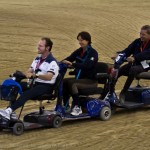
13 116
76 111
5 114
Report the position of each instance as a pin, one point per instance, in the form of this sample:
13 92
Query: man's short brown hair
48 41
147 28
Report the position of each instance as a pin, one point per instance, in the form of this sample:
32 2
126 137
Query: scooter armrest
143 75
102 75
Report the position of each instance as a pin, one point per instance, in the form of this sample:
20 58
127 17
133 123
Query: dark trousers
37 90
130 71
71 87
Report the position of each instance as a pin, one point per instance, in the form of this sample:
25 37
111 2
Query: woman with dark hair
84 61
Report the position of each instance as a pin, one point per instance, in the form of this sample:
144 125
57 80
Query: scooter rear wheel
18 128
57 121
105 113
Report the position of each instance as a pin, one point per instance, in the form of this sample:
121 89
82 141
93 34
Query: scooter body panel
37 119
91 108
134 98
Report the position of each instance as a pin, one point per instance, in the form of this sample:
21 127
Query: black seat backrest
58 80
102 67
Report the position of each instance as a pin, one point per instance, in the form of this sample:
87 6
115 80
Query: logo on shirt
92 58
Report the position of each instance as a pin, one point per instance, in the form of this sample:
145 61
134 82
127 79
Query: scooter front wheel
105 113
18 128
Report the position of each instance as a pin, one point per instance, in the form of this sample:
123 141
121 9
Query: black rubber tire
57 122
18 128
105 113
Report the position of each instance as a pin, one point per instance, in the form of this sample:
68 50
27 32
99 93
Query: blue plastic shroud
9 90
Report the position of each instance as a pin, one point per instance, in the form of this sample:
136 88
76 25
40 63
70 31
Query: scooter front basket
8 93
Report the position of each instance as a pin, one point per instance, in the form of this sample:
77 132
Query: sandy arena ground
113 24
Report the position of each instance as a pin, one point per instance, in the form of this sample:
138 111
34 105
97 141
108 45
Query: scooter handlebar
120 59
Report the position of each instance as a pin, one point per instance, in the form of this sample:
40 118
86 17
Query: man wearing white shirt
45 69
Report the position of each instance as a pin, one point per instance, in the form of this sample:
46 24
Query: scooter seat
102 76
143 75
91 91
51 96
46 97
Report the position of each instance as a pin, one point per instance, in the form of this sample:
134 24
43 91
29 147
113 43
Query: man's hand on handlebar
30 75
130 59
114 56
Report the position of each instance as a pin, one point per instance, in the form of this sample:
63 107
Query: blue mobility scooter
93 107
9 91
135 97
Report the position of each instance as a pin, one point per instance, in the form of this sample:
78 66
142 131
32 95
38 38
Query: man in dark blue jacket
137 53
84 61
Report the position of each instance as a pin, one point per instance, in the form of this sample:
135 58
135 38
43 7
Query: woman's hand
67 62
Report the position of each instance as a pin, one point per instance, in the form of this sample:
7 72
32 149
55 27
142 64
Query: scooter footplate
129 105
71 117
